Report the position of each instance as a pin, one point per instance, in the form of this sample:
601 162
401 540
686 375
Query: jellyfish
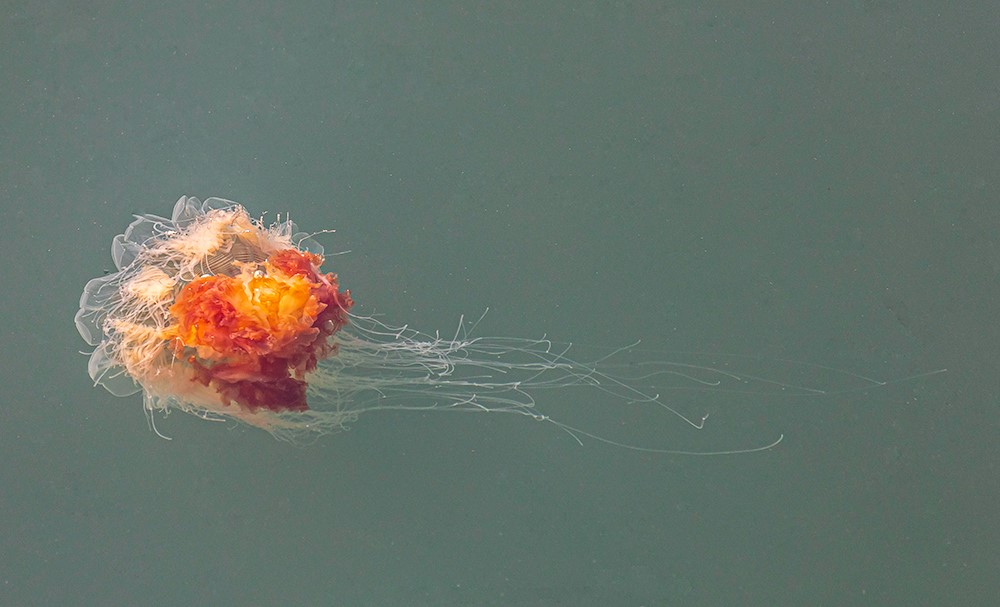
218 314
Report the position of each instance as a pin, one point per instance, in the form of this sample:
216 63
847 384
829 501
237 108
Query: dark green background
801 181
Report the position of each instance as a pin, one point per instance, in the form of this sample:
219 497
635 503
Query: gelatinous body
217 314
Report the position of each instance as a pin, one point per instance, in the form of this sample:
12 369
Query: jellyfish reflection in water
217 314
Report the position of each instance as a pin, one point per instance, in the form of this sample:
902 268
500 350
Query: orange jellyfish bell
213 312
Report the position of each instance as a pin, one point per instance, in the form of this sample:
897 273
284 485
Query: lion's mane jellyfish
217 314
